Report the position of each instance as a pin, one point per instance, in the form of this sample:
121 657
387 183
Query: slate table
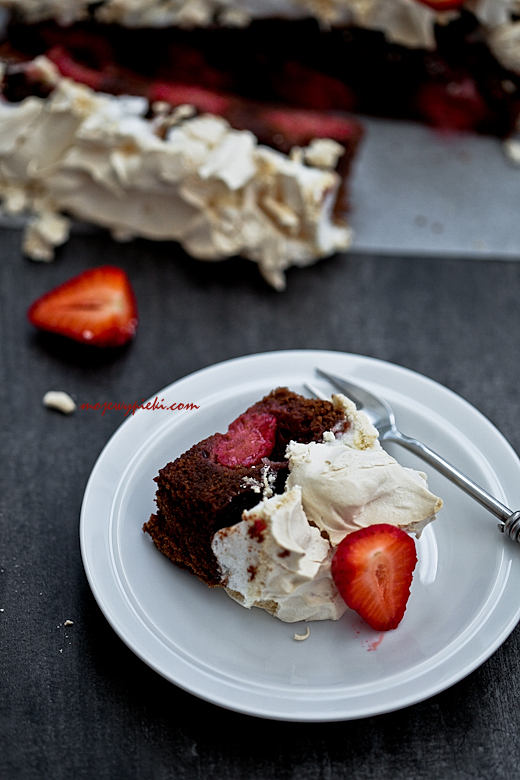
75 702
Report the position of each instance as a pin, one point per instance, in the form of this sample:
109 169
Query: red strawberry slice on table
373 570
96 307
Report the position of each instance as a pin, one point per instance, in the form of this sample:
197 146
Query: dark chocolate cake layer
209 486
459 86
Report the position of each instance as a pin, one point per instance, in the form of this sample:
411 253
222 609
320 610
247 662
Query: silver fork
382 417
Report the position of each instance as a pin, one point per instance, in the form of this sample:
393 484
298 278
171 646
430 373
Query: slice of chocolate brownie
210 485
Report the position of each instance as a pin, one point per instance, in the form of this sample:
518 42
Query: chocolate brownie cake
209 486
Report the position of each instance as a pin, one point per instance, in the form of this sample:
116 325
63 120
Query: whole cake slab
282 75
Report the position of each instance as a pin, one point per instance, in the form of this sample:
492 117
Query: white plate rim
279 702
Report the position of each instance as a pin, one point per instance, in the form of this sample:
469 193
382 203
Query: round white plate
463 603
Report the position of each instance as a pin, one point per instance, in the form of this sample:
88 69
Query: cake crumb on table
57 399
511 147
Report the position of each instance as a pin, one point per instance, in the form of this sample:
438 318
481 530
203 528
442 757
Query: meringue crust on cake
180 176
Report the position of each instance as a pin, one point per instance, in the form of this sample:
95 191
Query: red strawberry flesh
284 127
308 88
250 438
373 570
117 80
96 307
443 5
457 105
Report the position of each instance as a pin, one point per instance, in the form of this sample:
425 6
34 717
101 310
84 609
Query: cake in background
227 125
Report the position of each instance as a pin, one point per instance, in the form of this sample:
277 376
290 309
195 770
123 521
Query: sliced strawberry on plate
96 307
373 570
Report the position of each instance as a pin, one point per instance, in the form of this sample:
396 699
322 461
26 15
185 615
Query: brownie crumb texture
200 493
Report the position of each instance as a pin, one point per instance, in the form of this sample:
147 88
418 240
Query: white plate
464 600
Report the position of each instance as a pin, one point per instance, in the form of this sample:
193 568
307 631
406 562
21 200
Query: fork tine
318 393
355 393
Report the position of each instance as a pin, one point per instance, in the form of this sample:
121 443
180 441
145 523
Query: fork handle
510 524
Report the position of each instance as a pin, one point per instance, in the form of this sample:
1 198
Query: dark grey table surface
75 701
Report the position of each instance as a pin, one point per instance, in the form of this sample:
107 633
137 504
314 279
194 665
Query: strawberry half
96 307
373 570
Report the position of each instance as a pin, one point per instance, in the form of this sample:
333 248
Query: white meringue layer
275 560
